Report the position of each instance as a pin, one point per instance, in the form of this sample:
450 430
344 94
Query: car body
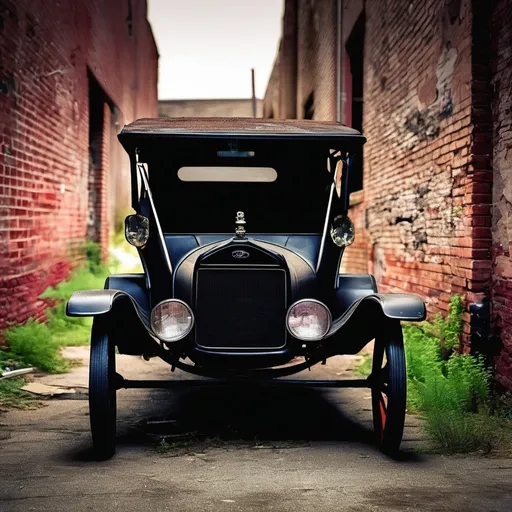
241 225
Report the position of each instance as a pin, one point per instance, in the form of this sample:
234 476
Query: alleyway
253 449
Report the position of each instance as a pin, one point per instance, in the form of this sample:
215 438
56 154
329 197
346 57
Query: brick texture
427 182
50 52
305 69
424 217
502 187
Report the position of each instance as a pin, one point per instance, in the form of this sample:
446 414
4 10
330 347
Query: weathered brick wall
427 177
355 257
46 50
316 58
502 187
424 218
305 69
287 72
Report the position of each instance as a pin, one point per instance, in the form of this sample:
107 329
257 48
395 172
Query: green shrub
448 330
455 431
94 263
32 344
461 383
451 389
38 344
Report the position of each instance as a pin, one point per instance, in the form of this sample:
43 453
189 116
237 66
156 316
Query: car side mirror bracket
147 205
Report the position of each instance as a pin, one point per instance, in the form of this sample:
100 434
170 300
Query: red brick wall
502 197
424 225
46 49
427 179
355 257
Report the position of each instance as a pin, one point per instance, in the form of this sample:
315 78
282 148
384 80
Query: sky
208 47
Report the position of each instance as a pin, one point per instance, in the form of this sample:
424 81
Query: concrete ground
232 449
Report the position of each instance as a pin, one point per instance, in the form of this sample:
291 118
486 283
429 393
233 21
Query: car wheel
102 390
389 388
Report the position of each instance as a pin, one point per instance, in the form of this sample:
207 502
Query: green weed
451 390
32 345
93 261
456 431
71 331
11 394
38 344
365 367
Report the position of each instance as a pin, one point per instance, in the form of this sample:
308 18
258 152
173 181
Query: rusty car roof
160 134
237 126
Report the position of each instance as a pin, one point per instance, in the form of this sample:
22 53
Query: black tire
102 391
389 388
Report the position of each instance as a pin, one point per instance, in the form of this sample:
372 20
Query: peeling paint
424 123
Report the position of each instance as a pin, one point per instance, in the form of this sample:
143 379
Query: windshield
279 192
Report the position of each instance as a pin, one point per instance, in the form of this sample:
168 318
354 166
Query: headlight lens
171 320
308 320
343 232
136 230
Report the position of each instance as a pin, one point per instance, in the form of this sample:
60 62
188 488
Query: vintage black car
241 225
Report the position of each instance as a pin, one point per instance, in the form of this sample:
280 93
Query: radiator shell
240 308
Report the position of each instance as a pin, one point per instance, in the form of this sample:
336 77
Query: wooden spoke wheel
102 390
389 389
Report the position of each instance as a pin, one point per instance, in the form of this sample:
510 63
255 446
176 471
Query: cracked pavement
226 448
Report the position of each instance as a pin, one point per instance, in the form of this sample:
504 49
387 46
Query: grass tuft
38 344
11 394
364 369
31 344
457 431
451 390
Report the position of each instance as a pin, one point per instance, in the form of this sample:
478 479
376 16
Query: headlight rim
186 333
329 316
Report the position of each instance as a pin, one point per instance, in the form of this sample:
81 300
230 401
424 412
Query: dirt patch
454 497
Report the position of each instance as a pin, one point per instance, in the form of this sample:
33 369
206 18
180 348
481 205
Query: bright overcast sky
208 47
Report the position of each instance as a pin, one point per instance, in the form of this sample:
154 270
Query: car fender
99 302
400 306
350 288
92 302
397 306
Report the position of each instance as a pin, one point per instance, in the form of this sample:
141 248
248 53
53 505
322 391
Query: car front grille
241 308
